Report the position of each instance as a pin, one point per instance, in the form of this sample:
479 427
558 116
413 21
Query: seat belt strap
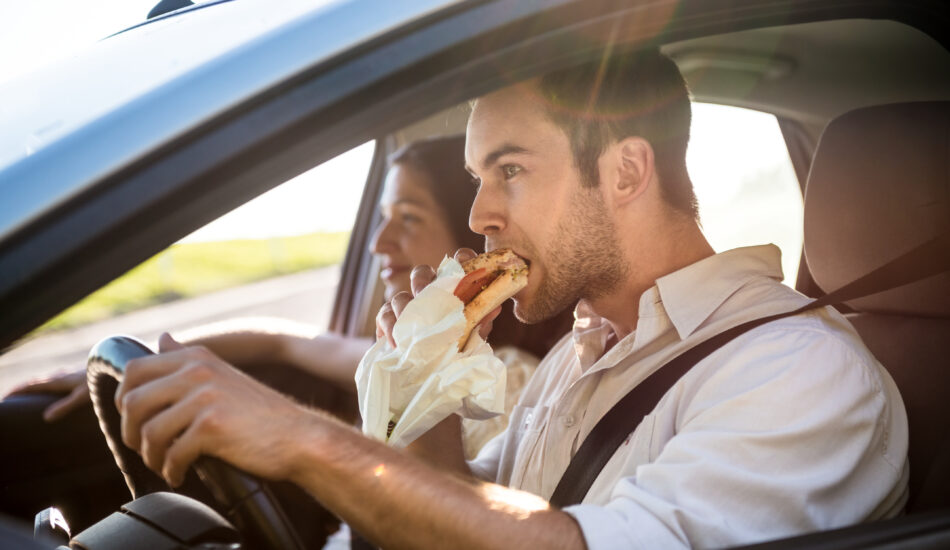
926 260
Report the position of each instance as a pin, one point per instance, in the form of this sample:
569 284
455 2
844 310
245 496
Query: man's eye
477 182
510 170
409 218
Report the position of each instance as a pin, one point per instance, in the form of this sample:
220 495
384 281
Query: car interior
863 105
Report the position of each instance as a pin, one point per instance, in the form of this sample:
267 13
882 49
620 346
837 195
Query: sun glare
520 504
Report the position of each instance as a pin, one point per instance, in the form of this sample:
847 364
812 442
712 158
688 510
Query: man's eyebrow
505 149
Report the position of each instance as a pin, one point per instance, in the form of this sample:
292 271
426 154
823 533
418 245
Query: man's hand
420 278
186 402
73 384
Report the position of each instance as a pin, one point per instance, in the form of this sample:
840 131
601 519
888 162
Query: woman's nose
383 241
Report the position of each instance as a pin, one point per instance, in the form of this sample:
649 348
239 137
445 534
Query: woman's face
413 231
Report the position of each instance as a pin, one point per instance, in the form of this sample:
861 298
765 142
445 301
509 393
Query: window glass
277 256
745 183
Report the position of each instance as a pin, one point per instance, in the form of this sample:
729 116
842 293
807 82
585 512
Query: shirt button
568 420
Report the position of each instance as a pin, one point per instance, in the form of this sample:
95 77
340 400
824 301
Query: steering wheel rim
247 501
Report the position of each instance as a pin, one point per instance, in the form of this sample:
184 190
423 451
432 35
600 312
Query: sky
37 32
735 157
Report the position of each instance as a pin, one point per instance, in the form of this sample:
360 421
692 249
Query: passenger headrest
879 186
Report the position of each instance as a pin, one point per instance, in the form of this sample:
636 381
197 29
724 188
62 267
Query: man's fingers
484 328
184 451
145 369
78 397
140 404
38 386
385 320
159 432
59 383
167 343
420 278
399 302
464 254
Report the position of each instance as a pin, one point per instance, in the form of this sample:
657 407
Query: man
789 428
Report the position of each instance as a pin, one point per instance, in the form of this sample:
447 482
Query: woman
425 207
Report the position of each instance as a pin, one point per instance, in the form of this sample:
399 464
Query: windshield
138 90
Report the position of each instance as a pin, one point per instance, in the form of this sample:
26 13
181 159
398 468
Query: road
305 297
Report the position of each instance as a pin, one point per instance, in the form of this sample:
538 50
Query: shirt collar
691 294
687 296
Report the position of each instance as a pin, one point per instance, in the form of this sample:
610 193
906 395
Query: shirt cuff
481 471
605 529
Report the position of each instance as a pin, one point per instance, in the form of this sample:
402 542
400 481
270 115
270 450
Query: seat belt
926 260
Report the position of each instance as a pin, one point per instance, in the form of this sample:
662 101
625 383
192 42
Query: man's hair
624 95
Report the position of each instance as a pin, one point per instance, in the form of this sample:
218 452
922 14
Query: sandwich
490 279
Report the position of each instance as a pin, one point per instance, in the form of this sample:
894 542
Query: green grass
190 269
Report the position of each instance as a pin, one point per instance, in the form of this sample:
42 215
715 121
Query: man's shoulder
764 297
814 354
818 344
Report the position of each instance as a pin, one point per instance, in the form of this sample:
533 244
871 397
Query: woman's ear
635 168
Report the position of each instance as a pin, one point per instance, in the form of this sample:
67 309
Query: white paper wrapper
426 379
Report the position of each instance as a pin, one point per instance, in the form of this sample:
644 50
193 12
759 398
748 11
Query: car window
745 182
277 256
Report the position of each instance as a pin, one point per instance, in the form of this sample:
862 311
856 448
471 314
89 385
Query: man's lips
527 262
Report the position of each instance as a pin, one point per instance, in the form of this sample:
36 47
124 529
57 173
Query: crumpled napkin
426 378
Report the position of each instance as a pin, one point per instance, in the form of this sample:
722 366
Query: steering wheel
247 501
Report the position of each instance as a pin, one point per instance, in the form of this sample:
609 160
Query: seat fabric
880 186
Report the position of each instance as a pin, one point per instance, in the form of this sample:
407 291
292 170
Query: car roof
68 123
794 71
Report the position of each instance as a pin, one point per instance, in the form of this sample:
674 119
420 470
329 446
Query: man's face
531 200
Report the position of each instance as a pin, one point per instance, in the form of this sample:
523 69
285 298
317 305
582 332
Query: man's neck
621 308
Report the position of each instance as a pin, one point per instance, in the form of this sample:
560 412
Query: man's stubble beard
584 262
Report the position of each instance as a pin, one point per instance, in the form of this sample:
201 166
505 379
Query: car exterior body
118 153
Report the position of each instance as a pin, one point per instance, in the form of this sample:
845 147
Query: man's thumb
167 343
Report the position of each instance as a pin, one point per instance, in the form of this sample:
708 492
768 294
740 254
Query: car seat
879 186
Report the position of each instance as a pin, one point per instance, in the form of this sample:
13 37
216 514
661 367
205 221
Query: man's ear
634 167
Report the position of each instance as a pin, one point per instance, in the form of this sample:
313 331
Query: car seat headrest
879 186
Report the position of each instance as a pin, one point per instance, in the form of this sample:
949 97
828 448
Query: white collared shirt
791 427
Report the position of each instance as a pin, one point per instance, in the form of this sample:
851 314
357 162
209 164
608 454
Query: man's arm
441 446
332 357
184 403
399 502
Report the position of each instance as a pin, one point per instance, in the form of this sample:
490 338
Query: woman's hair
442 160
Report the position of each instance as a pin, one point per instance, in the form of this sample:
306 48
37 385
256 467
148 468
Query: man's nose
488 215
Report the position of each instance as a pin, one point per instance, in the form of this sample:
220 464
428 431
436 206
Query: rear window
745 182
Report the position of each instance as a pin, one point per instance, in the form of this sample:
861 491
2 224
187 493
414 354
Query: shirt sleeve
485 465
787 435
478 436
